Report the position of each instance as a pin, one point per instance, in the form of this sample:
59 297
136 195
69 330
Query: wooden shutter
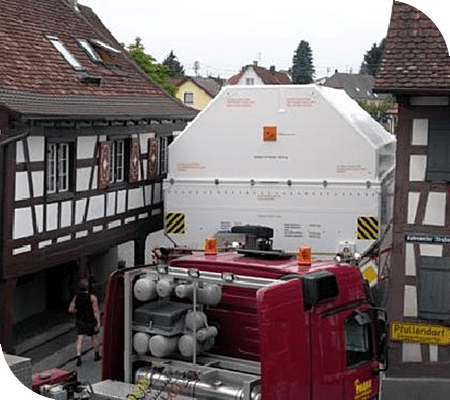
152 158
135 156
104 164
433 284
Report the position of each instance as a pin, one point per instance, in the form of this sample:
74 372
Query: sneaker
78 361
97 356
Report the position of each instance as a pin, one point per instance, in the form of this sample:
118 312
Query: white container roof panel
312 133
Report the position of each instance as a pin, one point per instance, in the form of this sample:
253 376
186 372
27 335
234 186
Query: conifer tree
302 68
175 69
372 59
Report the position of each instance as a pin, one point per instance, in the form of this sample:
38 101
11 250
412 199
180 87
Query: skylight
84 44
105 46
65 53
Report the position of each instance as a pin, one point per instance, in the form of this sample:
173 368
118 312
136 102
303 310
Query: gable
416 58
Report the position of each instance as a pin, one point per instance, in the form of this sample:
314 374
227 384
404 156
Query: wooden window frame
59 160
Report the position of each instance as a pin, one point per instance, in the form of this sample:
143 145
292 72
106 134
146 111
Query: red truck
250 324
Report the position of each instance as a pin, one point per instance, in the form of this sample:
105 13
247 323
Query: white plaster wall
121 201
52 216
410 301
110 204
417 168
80 208
411 352
22 187
435 209
83 177
38 183
413 202
431 250
86 146
135 198
96 207
23 223
420 132
36 146
143 139
410 260
66 214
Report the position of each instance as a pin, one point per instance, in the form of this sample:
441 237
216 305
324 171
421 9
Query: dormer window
73 62
84 44
104 46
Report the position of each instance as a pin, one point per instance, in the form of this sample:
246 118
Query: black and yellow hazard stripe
368 228
175 223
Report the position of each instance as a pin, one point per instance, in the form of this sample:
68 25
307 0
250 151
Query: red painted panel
284 342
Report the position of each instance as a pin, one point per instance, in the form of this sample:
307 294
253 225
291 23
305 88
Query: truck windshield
358 339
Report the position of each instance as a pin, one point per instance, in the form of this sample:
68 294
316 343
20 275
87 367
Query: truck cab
247 324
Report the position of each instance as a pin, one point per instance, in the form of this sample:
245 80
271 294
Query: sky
225 36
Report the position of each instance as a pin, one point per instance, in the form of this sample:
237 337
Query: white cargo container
305 160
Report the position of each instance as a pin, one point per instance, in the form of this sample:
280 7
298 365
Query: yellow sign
175 223
420 333
363 389
368 228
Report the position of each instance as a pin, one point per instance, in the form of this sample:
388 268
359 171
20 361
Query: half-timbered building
416 69
83 153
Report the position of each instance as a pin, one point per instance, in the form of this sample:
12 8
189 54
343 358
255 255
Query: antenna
196 67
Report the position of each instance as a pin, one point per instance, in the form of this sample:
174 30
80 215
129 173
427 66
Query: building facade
83 152
416 69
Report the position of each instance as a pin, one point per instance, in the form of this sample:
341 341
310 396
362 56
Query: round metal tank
161 346
140 342
145 289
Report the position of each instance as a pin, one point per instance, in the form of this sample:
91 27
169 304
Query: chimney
272 69
73 4
255 63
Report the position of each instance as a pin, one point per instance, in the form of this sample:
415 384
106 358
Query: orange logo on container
270 133
363 390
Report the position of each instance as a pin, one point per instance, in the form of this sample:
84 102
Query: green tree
175 69
302 68
372 59
378 109
156 72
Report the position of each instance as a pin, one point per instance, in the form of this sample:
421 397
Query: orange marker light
211 247
304 256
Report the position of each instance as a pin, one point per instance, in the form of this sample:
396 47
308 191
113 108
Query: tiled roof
31 67
268 76
416 58
357 86
209 85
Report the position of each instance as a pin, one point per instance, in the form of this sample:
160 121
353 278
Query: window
105 46
188 98
358 339
73 62
433 301
438 151
249 81
58 167
117 165
84 44
163 155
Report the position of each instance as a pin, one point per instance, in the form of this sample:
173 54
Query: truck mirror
318 287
